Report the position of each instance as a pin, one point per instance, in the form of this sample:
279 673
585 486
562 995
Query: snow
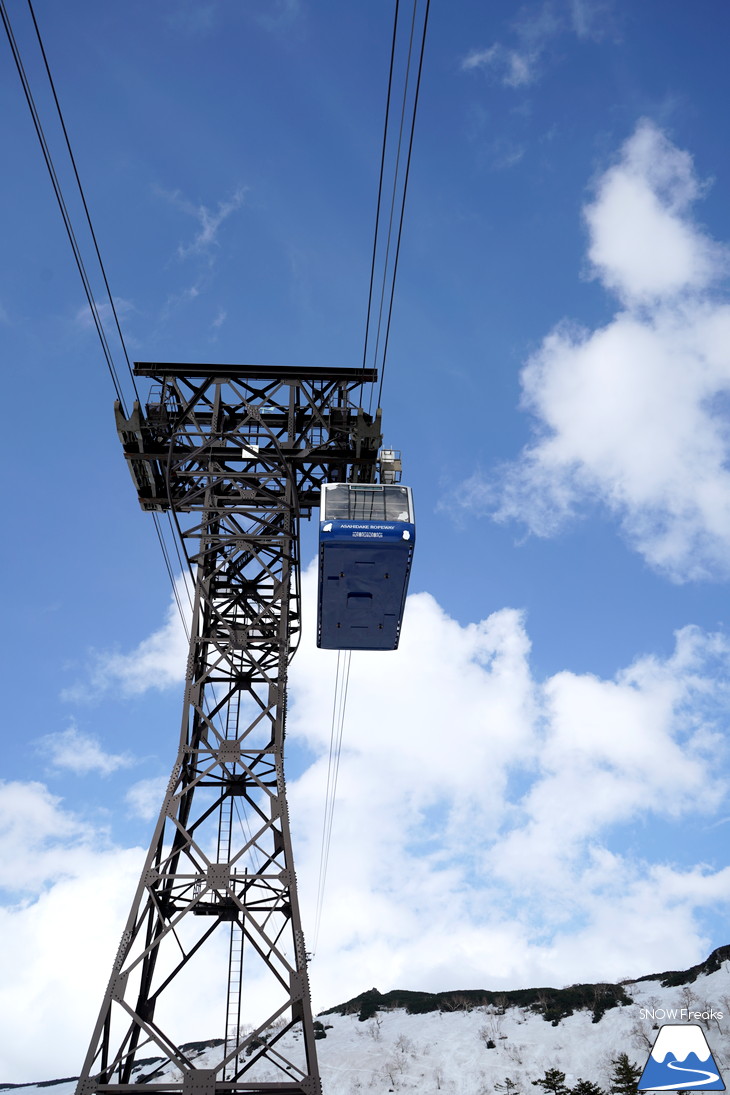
448 1052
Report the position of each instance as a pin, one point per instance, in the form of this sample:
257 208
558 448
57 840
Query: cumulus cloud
475 827
33 829
145 797
644 245
157 662
634 414
477 835
65 893
80 753
615 751
67 889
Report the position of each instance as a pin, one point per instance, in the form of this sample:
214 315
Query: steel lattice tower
237 454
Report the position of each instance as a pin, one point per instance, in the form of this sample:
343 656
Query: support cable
343 664
83 200
75 247
62 204
343 668
389 269
380 186
396 173
403 200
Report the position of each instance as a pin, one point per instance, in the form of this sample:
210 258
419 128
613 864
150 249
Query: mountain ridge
469 1042
672 978
553 1003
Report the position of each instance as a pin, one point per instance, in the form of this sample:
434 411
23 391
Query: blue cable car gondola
366 538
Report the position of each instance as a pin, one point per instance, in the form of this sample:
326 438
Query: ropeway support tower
236 454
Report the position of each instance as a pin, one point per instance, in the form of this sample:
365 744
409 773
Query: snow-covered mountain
465 1043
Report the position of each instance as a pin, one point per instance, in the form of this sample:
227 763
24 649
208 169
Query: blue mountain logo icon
681 1060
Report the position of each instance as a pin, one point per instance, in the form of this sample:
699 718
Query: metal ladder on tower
235 943
233 1005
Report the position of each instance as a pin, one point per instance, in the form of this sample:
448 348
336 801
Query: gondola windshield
350 502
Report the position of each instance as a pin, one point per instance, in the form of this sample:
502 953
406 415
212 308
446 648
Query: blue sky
534 788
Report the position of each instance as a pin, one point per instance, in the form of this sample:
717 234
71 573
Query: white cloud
474 839
210 222
533 31
57 955
145 797
175 301
504 155
634 414
589 19
80 753
477 808
616 751
511 67
60 938
85 319
643 243
158 662
480 58
640 918
66 892
32 830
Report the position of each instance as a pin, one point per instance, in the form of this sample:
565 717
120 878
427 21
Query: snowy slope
450 1051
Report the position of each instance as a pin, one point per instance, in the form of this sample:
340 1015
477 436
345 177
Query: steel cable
380 186
76 249
343 665
405 191
389 270
83 200
62 204
396 172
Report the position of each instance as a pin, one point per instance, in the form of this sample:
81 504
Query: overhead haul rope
378 357
343 662
405 184
83 200
380 186
76 249
171 514
399 183
61 203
